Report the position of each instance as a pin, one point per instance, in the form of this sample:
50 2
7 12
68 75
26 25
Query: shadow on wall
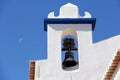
62 26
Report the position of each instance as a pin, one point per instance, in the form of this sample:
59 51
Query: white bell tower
69 22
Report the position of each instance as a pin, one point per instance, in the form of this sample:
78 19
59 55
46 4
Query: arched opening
69 50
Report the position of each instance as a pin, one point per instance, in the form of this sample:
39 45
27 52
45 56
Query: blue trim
69 21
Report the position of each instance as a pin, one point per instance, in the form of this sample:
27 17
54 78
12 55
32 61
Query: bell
69 60
69 44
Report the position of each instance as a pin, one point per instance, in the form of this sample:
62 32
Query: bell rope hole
69 45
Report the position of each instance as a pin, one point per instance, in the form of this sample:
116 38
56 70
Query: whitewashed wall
94 58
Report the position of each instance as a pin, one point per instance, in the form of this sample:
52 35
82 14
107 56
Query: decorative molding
69 10
69 21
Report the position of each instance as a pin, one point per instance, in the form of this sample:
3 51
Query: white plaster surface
69 11
94 58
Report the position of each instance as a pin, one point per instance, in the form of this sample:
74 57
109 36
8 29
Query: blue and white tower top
69 14
69 11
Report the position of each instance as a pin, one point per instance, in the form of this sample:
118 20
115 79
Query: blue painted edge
69 21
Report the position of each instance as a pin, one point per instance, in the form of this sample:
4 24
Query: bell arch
69 31
69 50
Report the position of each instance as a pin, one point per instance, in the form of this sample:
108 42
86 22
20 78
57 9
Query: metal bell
69 60
69 44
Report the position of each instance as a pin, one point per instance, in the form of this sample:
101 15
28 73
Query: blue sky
22 37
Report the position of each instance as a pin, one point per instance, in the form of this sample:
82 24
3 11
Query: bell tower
58 28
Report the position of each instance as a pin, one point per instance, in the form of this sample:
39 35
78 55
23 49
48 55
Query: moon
20 40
